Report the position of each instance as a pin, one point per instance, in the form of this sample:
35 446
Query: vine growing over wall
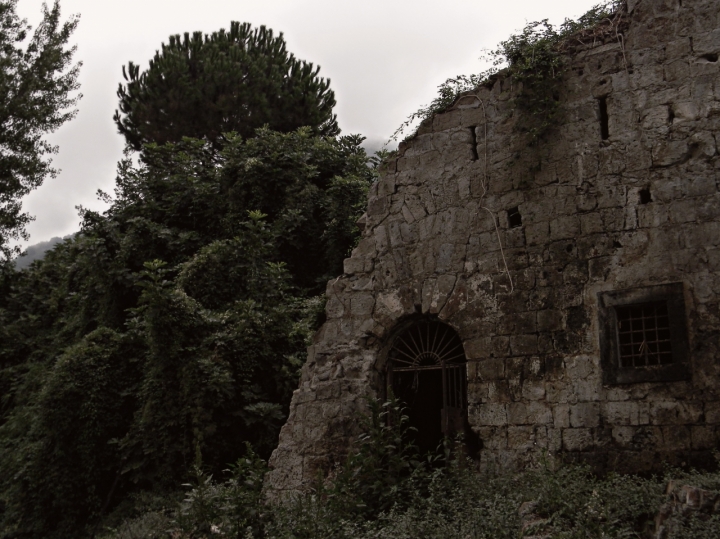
535 59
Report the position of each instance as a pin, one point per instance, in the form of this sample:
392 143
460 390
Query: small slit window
643 334
514 217
473 144
604 119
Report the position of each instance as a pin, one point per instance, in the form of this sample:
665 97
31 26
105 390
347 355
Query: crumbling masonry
590 319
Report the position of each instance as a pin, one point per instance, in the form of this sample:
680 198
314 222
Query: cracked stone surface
638 209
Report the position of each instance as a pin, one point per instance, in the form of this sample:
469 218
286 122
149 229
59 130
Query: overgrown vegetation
386 490
174 324
535 60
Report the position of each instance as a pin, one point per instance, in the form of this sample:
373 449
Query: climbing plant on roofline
536 59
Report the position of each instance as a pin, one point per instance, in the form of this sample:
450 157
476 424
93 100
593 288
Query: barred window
643 334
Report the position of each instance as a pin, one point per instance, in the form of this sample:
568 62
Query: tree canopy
202 86
173 325
37 81
171 329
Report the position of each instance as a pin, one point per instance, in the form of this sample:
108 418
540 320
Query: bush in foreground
386 490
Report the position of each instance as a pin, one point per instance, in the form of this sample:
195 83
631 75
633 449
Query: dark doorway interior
427 372
421 391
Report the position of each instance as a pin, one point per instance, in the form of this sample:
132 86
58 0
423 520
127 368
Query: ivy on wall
535 60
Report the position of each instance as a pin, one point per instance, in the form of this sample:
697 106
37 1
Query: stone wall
639 208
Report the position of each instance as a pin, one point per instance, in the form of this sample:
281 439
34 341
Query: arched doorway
426 370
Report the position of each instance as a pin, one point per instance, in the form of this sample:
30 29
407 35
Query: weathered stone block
552 439
586 390
491 369
478 348
381 239
448 120
707 43
362 304
623 436
493 438
561 416
537 233
577 439
564 227
530 413
533 390
334 308
712 412
490 415
523 345
703 437
675 412
625 413
549 320
676 438
326 391
352 266
499 391
666 153
520 438
585 414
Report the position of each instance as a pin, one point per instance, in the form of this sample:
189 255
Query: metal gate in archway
427 371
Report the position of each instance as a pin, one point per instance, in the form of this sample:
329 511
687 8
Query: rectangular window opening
604 120
643 334
514 217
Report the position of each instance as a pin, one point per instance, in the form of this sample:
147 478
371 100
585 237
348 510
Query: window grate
644 334
426 345
427 372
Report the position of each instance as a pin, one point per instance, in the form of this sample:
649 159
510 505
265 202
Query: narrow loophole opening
604 120
645 197
473 146
514 217
710 57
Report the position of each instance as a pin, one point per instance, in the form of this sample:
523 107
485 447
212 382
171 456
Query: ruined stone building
560 297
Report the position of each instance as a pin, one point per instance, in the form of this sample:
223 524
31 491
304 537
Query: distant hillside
37 251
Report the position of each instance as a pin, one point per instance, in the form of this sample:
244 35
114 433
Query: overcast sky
385 59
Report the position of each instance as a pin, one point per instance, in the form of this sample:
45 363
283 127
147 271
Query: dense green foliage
174 325
385 490
229 81
535 59
37 79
